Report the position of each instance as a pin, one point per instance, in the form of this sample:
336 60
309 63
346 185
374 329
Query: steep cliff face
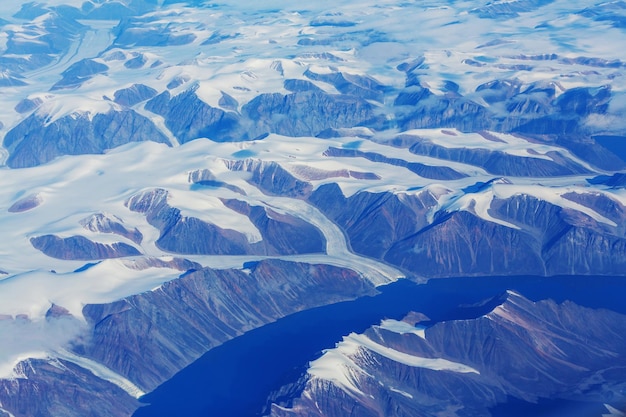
186 235
520 232
26 203
55 34
306 113
141 30
374 221
538 109
47 387
427 111
281 234
80 72
149 337
558 246
271 178
105 223
617 180
423 170
361 86
533 108
322 95
81 248
461 243
36 141
500 163
567 236
134 94
189 118
522 350
604 205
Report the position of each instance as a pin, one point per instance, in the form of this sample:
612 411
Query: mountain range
178 174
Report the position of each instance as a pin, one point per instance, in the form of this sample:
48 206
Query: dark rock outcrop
136 62
461 243
186 235
281 234
417 107
178 81
100 222
298 86
189 118
80 72
409 231
499 90
26 203
55 311
134 94
499 162
151 336
271 178
374 221
603 205
51 37
228 102
423 170
535 110
508 10
27 105
47 385
306 113
80 248
617 180
36 141
143 31
351 84
558 241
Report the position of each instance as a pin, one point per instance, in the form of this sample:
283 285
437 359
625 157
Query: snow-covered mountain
533 352
176 173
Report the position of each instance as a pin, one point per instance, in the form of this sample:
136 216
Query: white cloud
22 339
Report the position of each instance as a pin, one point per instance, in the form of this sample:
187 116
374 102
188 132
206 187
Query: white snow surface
101 371
613 412
435 364
402 327
23 339
493 141
404 393
340 365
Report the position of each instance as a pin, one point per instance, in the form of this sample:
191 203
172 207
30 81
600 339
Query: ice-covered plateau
176 173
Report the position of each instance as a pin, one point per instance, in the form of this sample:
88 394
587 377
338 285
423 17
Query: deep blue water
244 153
615 144
547 408
234 379
353 145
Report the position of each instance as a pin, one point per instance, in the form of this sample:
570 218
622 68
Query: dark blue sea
235 379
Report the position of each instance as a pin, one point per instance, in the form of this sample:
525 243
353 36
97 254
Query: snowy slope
467 367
